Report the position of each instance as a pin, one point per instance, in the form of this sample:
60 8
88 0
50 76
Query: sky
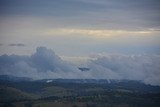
80 27
115 39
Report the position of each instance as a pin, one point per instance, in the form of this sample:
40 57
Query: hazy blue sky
80 27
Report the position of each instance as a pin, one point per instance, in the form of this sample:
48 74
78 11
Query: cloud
17 45
44 63
99 33
133 67
98 13
1 44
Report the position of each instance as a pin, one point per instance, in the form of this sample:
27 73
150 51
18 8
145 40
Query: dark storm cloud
17 45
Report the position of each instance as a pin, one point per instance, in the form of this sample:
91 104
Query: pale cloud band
99 33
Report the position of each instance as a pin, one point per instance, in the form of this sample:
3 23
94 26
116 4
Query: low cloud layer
17 44
133 67
44 63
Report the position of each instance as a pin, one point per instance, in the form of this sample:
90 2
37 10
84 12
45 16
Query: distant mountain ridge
96 81
14 78
109 84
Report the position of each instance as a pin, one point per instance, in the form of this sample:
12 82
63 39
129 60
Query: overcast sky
80 27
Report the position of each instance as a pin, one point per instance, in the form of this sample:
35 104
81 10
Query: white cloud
42 64
133 67
46 64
